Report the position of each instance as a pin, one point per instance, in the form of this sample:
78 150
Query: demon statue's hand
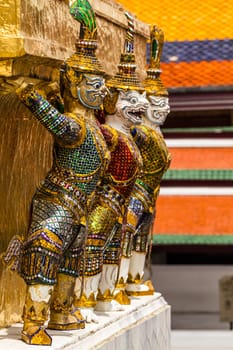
51 91
48 89
17 84
10 85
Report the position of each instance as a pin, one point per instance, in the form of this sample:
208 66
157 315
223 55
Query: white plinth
143 325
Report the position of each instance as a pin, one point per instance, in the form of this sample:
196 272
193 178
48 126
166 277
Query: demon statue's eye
133 100
97 85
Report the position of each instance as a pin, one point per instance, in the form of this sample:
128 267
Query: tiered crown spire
126 78
153 83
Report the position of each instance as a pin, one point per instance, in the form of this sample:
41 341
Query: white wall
193 293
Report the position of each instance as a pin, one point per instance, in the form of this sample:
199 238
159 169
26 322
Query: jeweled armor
156 159
62 200
104 223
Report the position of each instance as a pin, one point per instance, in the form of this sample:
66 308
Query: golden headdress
84 59
126 78
153 84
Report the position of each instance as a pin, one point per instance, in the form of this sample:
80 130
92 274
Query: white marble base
145 324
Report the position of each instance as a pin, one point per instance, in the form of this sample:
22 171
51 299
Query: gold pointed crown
126 78
153 84
84 59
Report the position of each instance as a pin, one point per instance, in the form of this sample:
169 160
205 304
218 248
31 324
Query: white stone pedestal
143 325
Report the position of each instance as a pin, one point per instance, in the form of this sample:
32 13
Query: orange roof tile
185 19
198 48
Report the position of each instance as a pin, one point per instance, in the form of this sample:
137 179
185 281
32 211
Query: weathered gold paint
11 42
10 17
11 47
6 67
25 156
12 291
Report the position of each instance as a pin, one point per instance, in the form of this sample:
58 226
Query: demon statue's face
91 91
158 109
131 106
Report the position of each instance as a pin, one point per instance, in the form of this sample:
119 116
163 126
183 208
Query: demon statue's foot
140 289
121 297
63 316
66 320
36 335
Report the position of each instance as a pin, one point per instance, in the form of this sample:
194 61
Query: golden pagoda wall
35 36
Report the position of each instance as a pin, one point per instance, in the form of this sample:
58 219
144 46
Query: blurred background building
195 206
